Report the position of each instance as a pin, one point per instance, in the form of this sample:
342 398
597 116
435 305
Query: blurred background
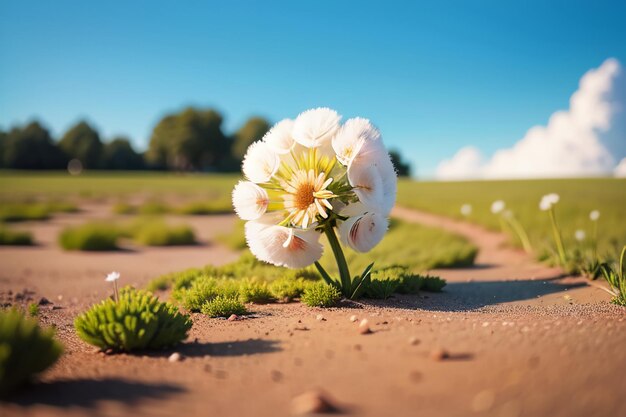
460 90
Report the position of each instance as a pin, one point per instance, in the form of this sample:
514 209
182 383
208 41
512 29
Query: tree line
189 140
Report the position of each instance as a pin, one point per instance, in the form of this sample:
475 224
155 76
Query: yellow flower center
303 197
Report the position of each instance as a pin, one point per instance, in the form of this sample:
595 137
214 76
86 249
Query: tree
190 140
251 131
31 147
119 154
402 168
82 142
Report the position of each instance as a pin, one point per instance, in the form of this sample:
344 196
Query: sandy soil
521 340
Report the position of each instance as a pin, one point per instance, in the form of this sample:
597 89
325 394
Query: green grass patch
155 232
320 294
137 321
90 237
10 237
418 247
223 306
213 188
578 198
19 211
25 350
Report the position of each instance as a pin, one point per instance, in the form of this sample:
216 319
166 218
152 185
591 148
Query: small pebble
276 376
233 317
320 318
44 301
364 327
312 402
353 318
175 357
439 354
414 341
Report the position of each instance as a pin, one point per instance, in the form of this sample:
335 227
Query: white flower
367 184
497 206
390 182
306 196
580 235
466 209
260 162
363 233
351 138
113 276
316 127
548 200
279 137
250 200
594 215
282 246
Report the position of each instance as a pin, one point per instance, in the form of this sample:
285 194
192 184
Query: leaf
365 278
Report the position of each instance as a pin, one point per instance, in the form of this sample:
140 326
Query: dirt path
520 342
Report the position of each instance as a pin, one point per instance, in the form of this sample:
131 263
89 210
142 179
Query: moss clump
90 237
137 321
287 289
409 283
382 288
320 294
223 306
159 233
25 350
200 290
15 238
254 291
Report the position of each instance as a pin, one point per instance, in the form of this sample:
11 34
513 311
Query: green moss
138 321
25 350
223 306
90 237
33 309
382 288
124 208
152 208
254 291
287 289
158 233
10 237
320 294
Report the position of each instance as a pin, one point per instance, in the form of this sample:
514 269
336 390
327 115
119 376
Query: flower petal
283 246
249 200
363 233
316 127
260 162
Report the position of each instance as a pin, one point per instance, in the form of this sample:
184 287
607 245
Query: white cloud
586 140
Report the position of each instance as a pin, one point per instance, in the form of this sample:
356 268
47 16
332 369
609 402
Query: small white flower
113 276
580 235
351 138
250 200
594 215
260 162
279 137
548 200
466 209
363 233
316 127
368 186
497 206
282 246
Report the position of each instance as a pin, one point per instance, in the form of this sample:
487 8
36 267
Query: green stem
344 272
595 239
557 238
521 234
117 296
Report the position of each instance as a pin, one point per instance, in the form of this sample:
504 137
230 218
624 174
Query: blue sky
434 76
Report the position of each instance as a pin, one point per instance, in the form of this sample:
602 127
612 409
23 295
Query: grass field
578 198
56 185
